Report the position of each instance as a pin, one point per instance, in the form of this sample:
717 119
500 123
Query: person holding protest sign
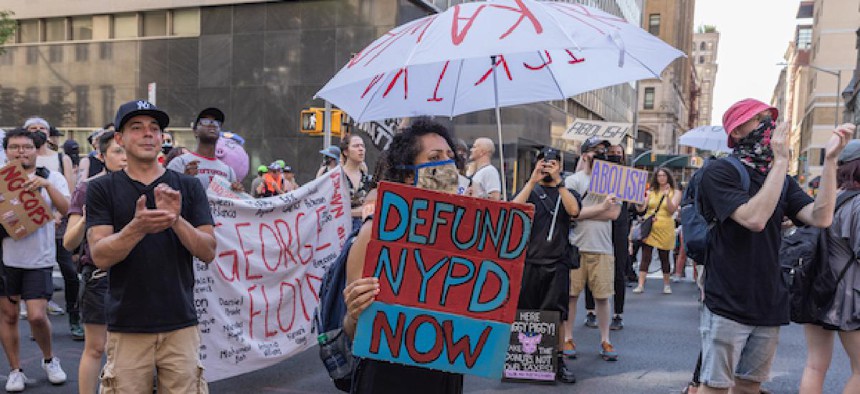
94 279
662 202
486 182
546 272
746 298
620 230
28 262
593 236
421 155
145 225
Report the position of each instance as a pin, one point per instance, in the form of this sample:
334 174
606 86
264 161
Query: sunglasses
209 122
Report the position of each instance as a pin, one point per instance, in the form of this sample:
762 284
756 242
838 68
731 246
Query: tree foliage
7 27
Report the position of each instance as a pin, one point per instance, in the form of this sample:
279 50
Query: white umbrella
482 55
712 138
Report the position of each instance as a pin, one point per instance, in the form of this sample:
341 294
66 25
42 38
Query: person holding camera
547 264
593 236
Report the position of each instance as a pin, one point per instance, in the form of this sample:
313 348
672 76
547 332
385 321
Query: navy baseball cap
549 153
215 113
593 142
140 107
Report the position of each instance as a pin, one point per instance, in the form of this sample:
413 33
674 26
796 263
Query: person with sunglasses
202 163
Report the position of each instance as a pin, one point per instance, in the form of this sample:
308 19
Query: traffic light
313 122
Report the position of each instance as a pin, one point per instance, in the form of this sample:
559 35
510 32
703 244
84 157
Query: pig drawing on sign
530 341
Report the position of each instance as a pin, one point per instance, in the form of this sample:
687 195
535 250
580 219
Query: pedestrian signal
313 122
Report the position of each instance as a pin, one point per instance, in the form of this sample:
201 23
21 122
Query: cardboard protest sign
255 303
21 212
449 269
221 187
628 183
583 129
533 345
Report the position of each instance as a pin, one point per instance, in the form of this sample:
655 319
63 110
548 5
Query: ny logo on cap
143 105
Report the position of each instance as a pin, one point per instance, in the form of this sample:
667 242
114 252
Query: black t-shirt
541 251
152 290
743 280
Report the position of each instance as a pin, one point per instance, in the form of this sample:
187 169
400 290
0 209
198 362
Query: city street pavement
658 348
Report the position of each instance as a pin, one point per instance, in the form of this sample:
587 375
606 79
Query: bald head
482 150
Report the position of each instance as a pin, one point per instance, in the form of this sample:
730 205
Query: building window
105 51
55 95
55 29
654 24
186 22
804 38
82 104
644 140
701 60
82 52
32 55
155 24
108 108
124 25
648 103
8 57
28 31
32 95
55 53
702 46
82 28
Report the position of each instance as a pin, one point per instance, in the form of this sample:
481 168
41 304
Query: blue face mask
436 175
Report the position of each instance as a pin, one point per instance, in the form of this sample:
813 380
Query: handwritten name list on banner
449 269
627 183
255 302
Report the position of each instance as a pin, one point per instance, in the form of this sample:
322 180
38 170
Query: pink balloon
233 154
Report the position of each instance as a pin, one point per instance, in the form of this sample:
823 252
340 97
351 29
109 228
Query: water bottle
334 360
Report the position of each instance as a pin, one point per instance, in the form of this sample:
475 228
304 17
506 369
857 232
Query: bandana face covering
754 150
437 175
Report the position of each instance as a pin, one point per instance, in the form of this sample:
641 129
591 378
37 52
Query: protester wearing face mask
421 155
620 230
166 147
746 299
546 279
593 236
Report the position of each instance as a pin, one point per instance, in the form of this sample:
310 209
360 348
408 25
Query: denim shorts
733 350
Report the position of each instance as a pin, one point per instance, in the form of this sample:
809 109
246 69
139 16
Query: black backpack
328 317
694 226
811 283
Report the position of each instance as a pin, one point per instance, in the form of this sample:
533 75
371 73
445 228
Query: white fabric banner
256 300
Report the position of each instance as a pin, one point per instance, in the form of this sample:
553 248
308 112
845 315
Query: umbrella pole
499 129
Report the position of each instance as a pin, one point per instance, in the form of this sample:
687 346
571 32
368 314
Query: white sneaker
638 289
23 309
54 371
15 382
667 289
54 309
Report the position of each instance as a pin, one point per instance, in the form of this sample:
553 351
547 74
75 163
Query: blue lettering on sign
475 305
451 280
431 339
504 251
384 263
418 204
426 274
392 202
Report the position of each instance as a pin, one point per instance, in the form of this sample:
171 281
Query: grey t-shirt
844 247
590 236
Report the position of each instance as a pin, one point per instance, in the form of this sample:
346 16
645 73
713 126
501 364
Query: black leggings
70 277
646 259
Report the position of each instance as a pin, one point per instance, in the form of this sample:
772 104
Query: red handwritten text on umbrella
458 35
419 27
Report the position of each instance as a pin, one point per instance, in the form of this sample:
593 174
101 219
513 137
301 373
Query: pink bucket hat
741 112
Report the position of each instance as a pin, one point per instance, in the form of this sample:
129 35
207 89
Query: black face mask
600 156
165 148
547 178
617 159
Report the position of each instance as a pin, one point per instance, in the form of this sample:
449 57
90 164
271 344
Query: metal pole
499 129
838 96
327 126
641 155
